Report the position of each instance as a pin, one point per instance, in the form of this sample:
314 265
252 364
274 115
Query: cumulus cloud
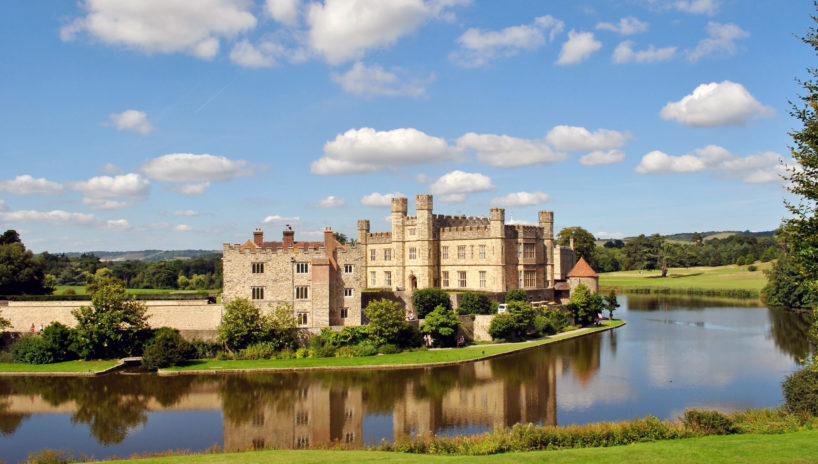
186 212
99 203
597 157
163 26
118 224
716 104
182 228
110 168
722 39
454 186
28 185
284 11
276 219
127 185
331 202
246 55
578 47
521 199
55 217
132 120
505 151
576 138
478 47
374 80
197 171
3 206
367 150
624 53
762 167
626 26
707 7
379 199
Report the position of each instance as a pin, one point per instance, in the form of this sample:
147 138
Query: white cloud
380 200
187 213
182 228
626 26
276 219
188 167
454 186
624 53
609 235
763 167
722 38
55 217
126 185
28 185
246 55
518 222
163 26
576 138
99 203
132 120
284 11
478 47
118 224
708 7
521 199
3 206
191 189
367 150
578 47
716 104
602 157
374 80
110 168
505 151
331 202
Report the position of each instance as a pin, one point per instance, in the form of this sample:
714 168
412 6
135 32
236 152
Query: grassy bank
451 355
797 447
61 367
727 281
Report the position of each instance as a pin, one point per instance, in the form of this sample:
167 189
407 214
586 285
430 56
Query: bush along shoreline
706 292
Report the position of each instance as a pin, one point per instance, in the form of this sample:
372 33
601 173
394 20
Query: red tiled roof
582 269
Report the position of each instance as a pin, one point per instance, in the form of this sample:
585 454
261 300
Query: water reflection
789 332
654 302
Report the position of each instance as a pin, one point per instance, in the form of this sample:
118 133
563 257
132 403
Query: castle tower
427 251
399 210
497 231
546 221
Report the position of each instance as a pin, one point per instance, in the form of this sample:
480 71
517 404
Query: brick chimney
289 238
258 237
329 240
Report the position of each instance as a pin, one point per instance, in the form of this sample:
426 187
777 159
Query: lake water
674 353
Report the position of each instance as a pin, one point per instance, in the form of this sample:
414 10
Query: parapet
363 224
497 214
400 205
546 216
423 202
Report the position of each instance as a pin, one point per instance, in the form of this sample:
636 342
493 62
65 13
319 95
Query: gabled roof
582 269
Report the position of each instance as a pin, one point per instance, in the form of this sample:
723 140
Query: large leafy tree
20 271
111 326
442 325
386 321
584 241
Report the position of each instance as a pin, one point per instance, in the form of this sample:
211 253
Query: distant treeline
649 252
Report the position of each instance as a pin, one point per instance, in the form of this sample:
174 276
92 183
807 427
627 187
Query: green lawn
722 277
67 366
417 357
797 447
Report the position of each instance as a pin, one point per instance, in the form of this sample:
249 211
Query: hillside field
730 277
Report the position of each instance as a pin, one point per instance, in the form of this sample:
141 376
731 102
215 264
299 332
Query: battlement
423 202
523 231
443 221
379 237
464 232
400 205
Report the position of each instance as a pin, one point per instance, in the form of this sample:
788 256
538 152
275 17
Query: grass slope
730 277
797 447
406 358
67 366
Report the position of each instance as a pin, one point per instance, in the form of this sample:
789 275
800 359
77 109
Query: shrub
302 353
346 352
503 327
319 348
388 349
241 324
32 350
69 291
285 354
752 268
387 324
427 299
544 326
516 294
260 350
801 391
366 348
58 336
205 350
167 348
708 422
442 325
474 303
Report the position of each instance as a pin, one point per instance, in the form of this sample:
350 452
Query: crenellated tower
546 222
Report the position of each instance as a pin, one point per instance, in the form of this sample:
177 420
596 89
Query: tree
20 271
4 323
475 303
427 299
166 348
516 294
585 304
611 304
242 324
111 326
386 321
584 241
442 325
9 236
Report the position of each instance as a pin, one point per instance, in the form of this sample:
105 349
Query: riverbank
66 368
405 360
795 447
721 281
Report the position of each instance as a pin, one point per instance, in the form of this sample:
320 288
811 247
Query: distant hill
688 236
145 255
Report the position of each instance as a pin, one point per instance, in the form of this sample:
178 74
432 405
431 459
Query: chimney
571 241
258 237
329 241
289 238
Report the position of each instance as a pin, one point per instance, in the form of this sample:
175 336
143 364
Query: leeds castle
324 280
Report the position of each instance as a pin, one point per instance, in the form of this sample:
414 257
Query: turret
497 222
363 230
546 221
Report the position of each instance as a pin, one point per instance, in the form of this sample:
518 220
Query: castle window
302 268
258 443
413 253
302 318
302 418
461 279
349 413
471 252
482 252
372 280
528 250
349 437
387 254
302 442
372 254
347 268
461 252
344 313
258 293
347 292
445 252
530 279
387 278
412 231
445 276
302 292
258 419
482 279
258 268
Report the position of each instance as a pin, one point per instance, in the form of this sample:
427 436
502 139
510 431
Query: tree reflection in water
789 331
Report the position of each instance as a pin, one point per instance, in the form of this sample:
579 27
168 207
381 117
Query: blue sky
170 124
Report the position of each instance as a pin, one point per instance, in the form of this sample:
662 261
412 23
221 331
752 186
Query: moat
674 353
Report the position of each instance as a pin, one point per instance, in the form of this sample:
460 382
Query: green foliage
366 348
389 348
503 327
708 422
20 271
475 303
442 325
585 304
427 299
4 323
111 326
611 304
259 350
319 348
516 294
785 286
59 337
204 349
752 268
801 391
166 348
242 324
387 324
32 349
584 241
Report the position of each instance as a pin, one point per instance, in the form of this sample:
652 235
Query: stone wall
475 328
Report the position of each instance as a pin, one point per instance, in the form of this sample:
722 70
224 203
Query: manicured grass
797 447
406 358
67 366
721 277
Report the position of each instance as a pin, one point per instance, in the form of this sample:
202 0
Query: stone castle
323 281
